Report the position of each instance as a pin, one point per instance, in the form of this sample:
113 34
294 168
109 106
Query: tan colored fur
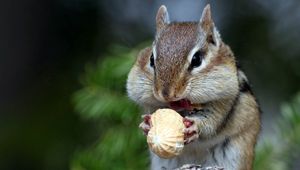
229 124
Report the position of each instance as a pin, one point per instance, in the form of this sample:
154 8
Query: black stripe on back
224 146
229 114
212 151
245 87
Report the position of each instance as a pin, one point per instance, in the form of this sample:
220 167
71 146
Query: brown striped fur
229 123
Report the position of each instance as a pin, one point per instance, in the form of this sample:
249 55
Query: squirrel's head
188 60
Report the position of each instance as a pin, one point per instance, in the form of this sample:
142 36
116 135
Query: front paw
198 167
190 167
191 131
145 125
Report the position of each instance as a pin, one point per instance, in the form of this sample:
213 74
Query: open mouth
184 107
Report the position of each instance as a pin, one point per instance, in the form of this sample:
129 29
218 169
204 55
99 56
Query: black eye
152 61
197 59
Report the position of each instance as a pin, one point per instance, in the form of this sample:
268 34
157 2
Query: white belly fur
201 153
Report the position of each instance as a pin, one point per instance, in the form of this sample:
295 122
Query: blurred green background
63 68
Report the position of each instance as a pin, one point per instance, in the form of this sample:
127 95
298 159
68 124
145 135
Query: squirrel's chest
209 153
194 153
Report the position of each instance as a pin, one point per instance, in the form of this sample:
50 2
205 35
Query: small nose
165 93
168 94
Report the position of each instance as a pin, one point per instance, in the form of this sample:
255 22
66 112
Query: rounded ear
162 18
207 26
206 22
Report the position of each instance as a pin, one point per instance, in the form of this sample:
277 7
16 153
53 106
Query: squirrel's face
187 61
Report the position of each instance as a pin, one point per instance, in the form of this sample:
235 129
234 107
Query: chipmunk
188 64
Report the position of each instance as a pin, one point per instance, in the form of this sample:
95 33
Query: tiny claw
191 138
190 167
145 125
191 132
146 132
145 128
187 135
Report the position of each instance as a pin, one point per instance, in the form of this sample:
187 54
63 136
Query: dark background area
44 46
